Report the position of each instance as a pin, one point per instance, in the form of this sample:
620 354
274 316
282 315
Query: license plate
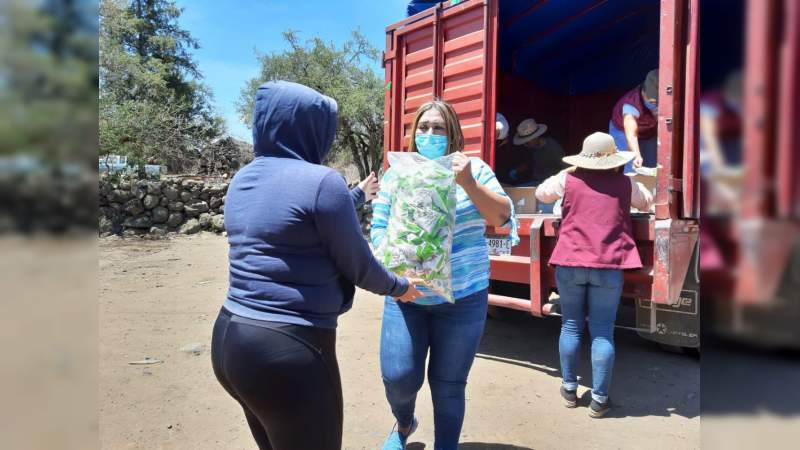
498 245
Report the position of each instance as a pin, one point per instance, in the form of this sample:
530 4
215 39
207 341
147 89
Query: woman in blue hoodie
450 332
296 252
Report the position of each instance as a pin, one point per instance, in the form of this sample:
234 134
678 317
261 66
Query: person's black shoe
597 409
570 397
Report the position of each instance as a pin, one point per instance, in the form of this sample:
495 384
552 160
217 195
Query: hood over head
293 121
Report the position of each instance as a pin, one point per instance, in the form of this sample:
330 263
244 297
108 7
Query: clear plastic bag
419 234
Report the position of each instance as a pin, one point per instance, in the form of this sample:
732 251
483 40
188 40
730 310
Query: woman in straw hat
595 244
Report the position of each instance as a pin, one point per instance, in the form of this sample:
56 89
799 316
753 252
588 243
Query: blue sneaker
396 441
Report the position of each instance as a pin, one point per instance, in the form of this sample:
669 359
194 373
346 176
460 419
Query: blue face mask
431 146
651 106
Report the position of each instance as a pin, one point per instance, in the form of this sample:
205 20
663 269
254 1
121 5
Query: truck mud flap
677 325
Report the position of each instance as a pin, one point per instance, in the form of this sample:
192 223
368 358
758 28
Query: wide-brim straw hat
599 152
528 130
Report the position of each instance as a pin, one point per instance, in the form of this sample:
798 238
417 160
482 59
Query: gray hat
528 130
650 85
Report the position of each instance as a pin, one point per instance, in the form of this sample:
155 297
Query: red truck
755 295
566 64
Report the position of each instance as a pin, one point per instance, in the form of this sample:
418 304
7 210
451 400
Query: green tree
48 79
342 73
153 106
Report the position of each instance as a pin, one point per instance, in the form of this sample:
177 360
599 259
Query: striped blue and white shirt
470 256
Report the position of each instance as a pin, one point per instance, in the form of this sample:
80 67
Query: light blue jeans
452 332
588 295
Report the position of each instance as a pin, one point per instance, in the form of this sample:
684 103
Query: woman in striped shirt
451 332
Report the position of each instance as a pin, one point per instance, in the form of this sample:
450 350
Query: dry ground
157 297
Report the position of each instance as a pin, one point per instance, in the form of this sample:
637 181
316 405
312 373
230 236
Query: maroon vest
596 229
648 123
729 124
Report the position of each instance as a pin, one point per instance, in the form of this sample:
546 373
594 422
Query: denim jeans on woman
452 332
588 295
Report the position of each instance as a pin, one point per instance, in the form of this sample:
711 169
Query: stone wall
131 207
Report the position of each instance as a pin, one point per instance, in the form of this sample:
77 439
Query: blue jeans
546 208
593 295
647 147
452 332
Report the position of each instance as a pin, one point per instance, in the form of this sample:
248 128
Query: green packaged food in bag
419 235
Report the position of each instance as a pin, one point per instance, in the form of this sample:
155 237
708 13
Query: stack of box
647 177
524 199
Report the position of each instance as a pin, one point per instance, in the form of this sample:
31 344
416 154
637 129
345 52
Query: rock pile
132 207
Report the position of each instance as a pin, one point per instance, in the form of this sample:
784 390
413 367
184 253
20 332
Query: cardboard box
647 177
524 199
648 182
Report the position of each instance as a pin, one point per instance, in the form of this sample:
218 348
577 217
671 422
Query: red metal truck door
787 165
690 171
765 232
447 52
675 239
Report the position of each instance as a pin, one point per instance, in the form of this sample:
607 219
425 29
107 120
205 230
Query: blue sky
229 32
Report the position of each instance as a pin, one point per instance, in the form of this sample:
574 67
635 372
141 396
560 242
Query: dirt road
159 299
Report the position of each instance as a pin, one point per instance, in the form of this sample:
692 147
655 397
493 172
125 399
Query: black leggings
285 377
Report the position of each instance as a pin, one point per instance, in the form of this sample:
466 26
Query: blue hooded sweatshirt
296 246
